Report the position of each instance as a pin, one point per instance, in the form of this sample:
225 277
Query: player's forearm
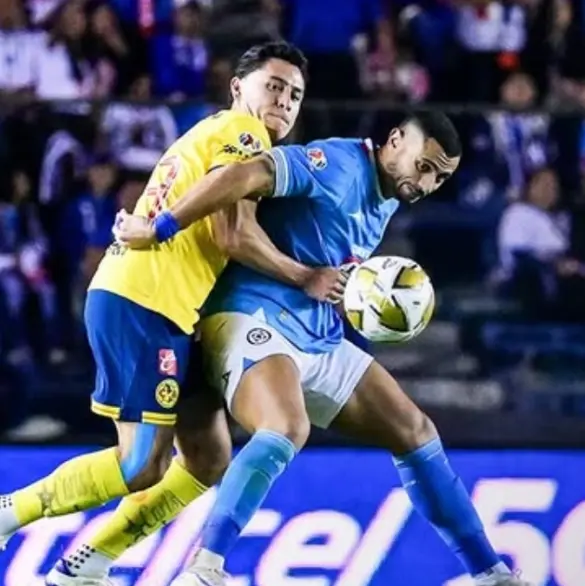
223 187
255 250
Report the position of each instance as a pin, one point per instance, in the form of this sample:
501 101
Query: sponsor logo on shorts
258 336
167 362
167 393
317 159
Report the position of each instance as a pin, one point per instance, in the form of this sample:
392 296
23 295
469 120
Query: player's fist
326 284
133 231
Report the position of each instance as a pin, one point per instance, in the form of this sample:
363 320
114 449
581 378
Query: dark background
91 94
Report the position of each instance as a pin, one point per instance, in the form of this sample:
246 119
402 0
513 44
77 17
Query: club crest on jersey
257 336
317 159
250 142
167 362
167 393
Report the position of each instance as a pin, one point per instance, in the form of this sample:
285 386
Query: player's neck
240 107
384 178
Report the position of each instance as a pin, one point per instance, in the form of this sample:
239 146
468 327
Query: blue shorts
141 359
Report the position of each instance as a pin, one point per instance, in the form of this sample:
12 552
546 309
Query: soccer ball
389 299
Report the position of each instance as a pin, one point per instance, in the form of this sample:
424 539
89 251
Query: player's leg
203 453
127 389
137 385
379 413
263 392
92 479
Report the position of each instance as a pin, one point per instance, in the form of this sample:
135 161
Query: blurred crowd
93 91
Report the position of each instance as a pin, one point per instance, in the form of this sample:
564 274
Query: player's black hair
255 57
438 126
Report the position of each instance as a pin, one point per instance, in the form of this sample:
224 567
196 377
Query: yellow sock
77 485
143 513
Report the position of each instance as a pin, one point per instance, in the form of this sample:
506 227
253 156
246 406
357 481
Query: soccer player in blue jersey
280 358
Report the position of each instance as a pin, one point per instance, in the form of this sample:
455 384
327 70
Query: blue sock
438 494
244 487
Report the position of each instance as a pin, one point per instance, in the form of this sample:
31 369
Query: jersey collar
371 150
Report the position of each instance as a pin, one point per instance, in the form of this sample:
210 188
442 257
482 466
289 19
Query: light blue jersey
328 209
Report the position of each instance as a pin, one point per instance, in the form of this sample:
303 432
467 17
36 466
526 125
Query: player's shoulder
336 154
233 121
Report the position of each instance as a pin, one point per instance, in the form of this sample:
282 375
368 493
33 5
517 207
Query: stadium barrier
339 518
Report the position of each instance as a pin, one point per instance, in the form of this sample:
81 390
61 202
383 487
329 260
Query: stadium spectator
18 53
64 70
235 25
85 223
23 277
520 139
536 260
326 31
137 133
117 50
491 35
180 58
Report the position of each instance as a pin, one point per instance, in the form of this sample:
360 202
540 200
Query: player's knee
417 430
296 428
142 473
145 458
205 456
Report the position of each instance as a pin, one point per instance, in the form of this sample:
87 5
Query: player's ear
235 87
395 137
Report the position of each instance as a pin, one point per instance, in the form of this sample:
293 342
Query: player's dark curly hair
255 57
438 126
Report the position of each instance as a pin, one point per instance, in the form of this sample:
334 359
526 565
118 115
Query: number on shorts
169 168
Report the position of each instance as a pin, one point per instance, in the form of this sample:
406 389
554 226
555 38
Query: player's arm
253 179
283 171
238 234
220 188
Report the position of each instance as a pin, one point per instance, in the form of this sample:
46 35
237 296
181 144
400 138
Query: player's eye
424 167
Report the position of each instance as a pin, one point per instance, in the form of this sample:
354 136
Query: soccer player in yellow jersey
139 315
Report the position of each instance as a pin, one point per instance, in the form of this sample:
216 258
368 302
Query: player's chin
278 127
408 193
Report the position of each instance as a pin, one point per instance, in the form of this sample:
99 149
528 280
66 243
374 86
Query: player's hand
326 284
133 231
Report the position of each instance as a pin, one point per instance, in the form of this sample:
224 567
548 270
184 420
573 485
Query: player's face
417 166
273 94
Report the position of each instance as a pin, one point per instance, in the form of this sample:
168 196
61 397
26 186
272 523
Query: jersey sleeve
311 171
237 139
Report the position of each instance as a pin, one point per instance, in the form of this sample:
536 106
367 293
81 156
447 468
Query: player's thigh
203 440
379 413
330 379
141 360
258 372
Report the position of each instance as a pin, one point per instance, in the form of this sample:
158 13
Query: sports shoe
505 580
60 575
200 576
4 539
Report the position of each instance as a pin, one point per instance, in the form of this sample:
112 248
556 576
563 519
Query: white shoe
506 580
4 539
200 576
61 576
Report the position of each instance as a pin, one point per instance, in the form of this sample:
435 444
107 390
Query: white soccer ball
389 299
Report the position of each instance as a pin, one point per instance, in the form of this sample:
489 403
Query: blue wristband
165 226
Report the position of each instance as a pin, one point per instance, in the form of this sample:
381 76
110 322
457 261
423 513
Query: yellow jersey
174 278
